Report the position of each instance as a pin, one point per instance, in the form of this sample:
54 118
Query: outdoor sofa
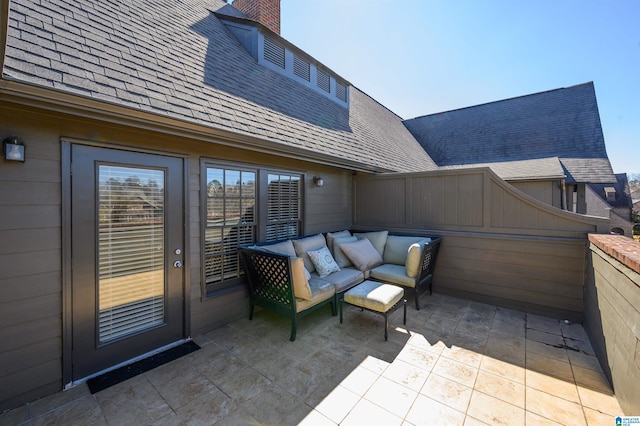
295 277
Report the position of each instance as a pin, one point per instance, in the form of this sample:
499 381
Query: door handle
177 264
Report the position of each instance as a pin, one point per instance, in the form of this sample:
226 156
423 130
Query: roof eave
62 102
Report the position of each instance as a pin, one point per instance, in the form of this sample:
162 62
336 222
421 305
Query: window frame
260 215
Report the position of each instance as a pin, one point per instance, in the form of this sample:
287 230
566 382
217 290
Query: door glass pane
131 290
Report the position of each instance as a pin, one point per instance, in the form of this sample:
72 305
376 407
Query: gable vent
341 92
301 68
324 81
273 52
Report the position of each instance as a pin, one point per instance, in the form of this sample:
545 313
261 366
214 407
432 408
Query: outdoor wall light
13 149
318 181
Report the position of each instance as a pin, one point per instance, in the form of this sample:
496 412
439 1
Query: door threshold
75 383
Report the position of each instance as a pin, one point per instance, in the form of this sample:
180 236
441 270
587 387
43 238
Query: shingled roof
562 123
177 59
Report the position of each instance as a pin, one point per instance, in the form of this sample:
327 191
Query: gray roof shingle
562 123
177 59
542 168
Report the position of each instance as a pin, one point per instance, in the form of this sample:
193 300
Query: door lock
177 264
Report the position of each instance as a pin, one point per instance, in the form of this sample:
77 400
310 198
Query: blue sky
420 57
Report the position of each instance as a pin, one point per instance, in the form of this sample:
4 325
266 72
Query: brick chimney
267 12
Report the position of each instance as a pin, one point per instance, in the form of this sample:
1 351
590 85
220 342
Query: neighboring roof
562 123
621 187
540 169
176 59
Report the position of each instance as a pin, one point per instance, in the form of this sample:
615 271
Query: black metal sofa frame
271 286
424 279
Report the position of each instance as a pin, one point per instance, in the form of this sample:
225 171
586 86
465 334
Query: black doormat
121 374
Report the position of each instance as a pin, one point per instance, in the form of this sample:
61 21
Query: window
610 194
283 207
234 216
230 222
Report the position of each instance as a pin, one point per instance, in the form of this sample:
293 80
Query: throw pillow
414 257
331 236
323 261
378 239
301 288
362 253
303 245
341 259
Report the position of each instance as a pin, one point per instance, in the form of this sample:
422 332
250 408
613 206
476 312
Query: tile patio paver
456 362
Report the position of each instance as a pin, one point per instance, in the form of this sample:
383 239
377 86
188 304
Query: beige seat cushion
284 247
321 291
341 259
301 288
373 295
395 274
343 279
303 245
331 236
397 247
414 257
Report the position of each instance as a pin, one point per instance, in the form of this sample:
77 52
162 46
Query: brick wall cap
624 249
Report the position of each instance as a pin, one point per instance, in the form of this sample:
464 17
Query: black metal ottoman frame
401 302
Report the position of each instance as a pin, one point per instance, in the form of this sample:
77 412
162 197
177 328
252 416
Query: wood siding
549 192
499 246
31 230
612 319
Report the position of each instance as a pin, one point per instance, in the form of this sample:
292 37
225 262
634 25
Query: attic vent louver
301 68
273 52
341 92
324 81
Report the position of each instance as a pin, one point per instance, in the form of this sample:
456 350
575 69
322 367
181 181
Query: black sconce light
318 181
13 149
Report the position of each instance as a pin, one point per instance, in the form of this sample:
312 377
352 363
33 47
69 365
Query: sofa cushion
303 245
413 258
362 253
378 239
341 259
396 249
373 295
284 247
323 261
331 236
321 290
395 274
301 287
344 279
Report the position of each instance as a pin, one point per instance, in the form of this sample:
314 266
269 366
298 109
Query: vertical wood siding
499 246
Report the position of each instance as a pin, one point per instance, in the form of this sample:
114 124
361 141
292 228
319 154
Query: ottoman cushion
374 295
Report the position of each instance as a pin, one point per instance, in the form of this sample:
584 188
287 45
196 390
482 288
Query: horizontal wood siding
499 246
546 273
612 316
31 288
30 265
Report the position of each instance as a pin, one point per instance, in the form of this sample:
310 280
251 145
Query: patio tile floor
456 362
